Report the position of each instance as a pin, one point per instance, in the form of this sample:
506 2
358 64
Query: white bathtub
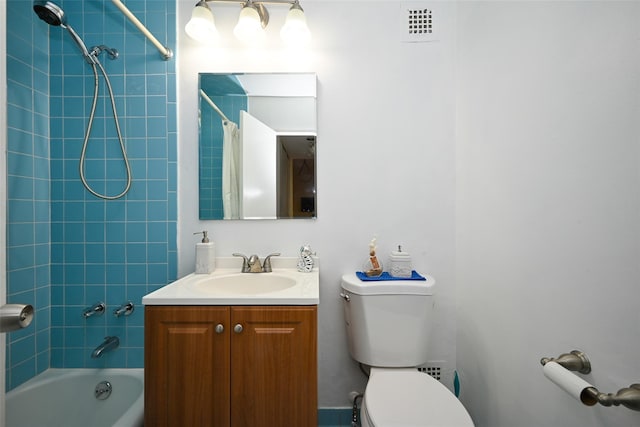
65 398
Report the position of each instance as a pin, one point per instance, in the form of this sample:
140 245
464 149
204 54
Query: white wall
385 154
548 214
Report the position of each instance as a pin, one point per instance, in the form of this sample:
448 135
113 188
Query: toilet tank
388 322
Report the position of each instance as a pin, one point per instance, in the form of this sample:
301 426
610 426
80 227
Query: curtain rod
164 51
213 105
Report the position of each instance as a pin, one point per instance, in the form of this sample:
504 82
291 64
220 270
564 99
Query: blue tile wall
67 248
28 241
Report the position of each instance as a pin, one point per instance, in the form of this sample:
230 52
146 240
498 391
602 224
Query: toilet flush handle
346 297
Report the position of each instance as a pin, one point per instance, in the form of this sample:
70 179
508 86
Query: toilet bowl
388 325
409 398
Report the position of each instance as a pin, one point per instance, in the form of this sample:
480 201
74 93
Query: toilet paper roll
569 382
15 316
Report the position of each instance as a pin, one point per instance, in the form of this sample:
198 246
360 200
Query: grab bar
558 371
164 51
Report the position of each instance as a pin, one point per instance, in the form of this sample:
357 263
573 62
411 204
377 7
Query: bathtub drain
103 390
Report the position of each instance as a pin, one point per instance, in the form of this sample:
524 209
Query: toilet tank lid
351 283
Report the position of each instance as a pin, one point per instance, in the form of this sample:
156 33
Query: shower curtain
231 170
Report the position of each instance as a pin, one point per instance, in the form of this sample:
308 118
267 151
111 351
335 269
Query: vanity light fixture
252 22
295 31
201 26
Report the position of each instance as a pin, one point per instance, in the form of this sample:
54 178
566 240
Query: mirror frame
289 189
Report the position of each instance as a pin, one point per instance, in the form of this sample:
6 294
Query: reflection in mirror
257 148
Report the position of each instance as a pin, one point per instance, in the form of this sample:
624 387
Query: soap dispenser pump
205 254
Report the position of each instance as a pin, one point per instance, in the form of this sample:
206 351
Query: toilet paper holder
15 316
577 361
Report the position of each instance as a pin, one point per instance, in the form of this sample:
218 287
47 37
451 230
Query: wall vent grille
435 368
417 23
420 21
434 371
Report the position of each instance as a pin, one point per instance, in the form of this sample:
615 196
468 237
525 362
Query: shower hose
94 65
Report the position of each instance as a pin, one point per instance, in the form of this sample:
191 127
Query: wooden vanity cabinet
231 366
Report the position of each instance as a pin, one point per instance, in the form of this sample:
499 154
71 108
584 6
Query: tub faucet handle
96 309
124 310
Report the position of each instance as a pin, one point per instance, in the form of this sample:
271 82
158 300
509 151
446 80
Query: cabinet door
186 366
274 367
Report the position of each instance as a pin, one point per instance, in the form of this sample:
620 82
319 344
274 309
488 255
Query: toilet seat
409 398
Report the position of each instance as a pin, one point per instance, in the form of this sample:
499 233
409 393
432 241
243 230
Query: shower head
53 14
50 13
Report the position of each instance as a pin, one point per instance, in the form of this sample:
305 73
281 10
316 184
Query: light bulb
201 27
295 31
249 28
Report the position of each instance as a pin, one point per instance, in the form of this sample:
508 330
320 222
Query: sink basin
243 284
228 286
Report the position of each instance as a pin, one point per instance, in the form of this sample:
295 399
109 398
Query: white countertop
183 292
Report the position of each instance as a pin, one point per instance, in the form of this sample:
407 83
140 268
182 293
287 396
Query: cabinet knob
238 328
219 328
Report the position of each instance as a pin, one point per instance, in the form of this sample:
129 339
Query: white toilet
388 328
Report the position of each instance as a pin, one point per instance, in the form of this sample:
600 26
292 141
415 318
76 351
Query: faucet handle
245 262
96 309
266 267
124 310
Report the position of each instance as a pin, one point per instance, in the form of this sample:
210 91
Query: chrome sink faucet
249 263
253 265
109 343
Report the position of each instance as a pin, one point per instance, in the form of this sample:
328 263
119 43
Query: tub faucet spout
109 343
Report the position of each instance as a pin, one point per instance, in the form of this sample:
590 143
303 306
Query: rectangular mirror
257 147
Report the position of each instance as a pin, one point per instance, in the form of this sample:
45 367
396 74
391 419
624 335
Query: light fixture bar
253 19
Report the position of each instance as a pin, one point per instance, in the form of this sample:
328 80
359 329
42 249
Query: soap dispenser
205 255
